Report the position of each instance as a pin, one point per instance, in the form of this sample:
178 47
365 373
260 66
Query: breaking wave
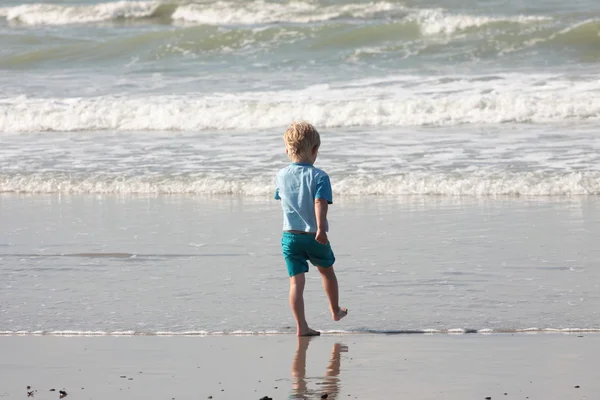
327 107
430 21
57 14
261 12
438 21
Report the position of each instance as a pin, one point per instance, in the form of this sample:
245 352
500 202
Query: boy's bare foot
341 313
310 332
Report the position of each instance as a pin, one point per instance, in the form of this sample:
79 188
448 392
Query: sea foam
261 12
439 21
57 14
431 21
392 106
500 183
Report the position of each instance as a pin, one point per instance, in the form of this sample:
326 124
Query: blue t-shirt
297 186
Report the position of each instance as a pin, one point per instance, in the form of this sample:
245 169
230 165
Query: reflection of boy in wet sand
329 383
305 193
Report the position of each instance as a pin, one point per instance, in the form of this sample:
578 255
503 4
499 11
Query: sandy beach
499 366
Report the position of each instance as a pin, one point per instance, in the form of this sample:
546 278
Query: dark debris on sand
266 398
62 394
30 392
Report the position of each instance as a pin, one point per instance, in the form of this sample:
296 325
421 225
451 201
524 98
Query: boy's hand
321 237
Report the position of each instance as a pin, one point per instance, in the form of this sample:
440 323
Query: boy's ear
315 150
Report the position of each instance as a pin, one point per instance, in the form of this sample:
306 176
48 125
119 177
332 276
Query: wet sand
354 366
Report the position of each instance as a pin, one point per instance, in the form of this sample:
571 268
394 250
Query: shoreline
239 333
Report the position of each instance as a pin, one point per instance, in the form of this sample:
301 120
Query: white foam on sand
267 332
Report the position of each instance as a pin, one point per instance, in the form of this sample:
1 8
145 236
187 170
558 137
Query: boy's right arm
321 206
276 195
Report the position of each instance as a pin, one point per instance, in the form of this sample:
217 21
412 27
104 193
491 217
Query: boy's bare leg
297 283
330 284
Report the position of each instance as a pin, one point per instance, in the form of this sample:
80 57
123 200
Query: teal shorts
297 248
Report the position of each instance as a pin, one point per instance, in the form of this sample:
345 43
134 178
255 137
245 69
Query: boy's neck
303 162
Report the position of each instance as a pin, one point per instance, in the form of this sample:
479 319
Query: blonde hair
300 138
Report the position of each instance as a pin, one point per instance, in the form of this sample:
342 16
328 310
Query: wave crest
366 107
431 21
261 12
56 14
438 21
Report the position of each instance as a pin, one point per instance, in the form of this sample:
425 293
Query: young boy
305 193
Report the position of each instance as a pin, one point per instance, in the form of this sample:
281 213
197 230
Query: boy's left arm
321 206
323 197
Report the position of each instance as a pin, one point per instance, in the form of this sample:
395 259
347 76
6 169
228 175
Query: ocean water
449 98
179 107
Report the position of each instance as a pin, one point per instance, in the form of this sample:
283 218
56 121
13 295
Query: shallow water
209 265
512 160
